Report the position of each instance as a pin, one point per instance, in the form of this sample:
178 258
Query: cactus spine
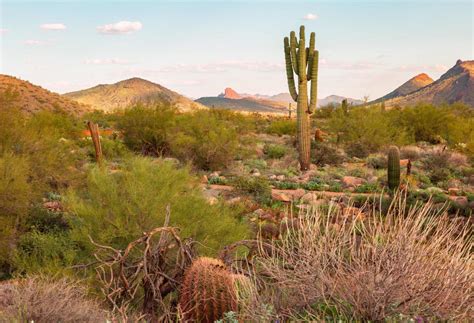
208 291
303 62
393 169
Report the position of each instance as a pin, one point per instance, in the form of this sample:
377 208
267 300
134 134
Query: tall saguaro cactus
302 61
393 169
94 130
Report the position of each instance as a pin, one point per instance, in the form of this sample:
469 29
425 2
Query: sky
198 48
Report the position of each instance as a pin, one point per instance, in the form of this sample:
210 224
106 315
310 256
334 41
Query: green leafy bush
115 209
282 127
274 151
326 154
258 187
202 138
147 129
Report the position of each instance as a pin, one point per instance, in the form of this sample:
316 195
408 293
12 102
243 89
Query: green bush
282 127
147 129
325 154
115 209
202 138
258 187
274 151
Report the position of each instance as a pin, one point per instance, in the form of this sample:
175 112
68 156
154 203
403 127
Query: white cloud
3 31
34 42
106 61
121 27
310 16
422 68
55 26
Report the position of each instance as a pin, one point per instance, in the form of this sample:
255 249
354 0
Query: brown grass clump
38 299
410 262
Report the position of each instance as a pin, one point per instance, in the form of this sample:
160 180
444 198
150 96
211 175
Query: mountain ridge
33 98
126 93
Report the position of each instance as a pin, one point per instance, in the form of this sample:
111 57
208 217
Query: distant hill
456 85
231 99
412 85
244 104
32 98
337 99
123 94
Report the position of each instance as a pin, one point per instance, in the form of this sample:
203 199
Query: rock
372 179
214 174
297 194
212 200
280 177
307 175
309 198
234 200
272 177
351 181
256 174
259 212
204 179
454 183
172 160
471 205
453 191
460 201
280 196
313 167
53 206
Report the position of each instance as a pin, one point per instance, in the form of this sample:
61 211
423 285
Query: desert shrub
47 253
41 299
406 262
377 162
411 152
282 127
205 140
274 151
357 149
326 154
258 187
147 129
115 209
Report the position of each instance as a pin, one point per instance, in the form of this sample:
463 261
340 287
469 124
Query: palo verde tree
302 61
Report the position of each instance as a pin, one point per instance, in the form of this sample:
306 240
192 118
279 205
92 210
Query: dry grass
410 262
40 300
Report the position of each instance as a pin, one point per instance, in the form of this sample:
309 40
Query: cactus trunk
393 169
95 135
303 62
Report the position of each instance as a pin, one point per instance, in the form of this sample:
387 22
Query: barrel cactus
393 168
208 291
302 61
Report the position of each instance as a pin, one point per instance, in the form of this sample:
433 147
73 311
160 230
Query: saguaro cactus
303 62
393 169
208 291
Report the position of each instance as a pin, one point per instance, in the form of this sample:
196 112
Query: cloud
120 28
55 26
357 66
34 42
106 61
3 30
310 16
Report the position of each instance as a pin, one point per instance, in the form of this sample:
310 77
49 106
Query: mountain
245 104
123 94
230 94
231 99
337 99
32 98
412 85
456 85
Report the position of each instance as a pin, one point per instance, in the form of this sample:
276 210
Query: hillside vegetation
222 178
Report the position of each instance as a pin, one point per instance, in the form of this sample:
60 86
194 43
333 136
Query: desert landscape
128 201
